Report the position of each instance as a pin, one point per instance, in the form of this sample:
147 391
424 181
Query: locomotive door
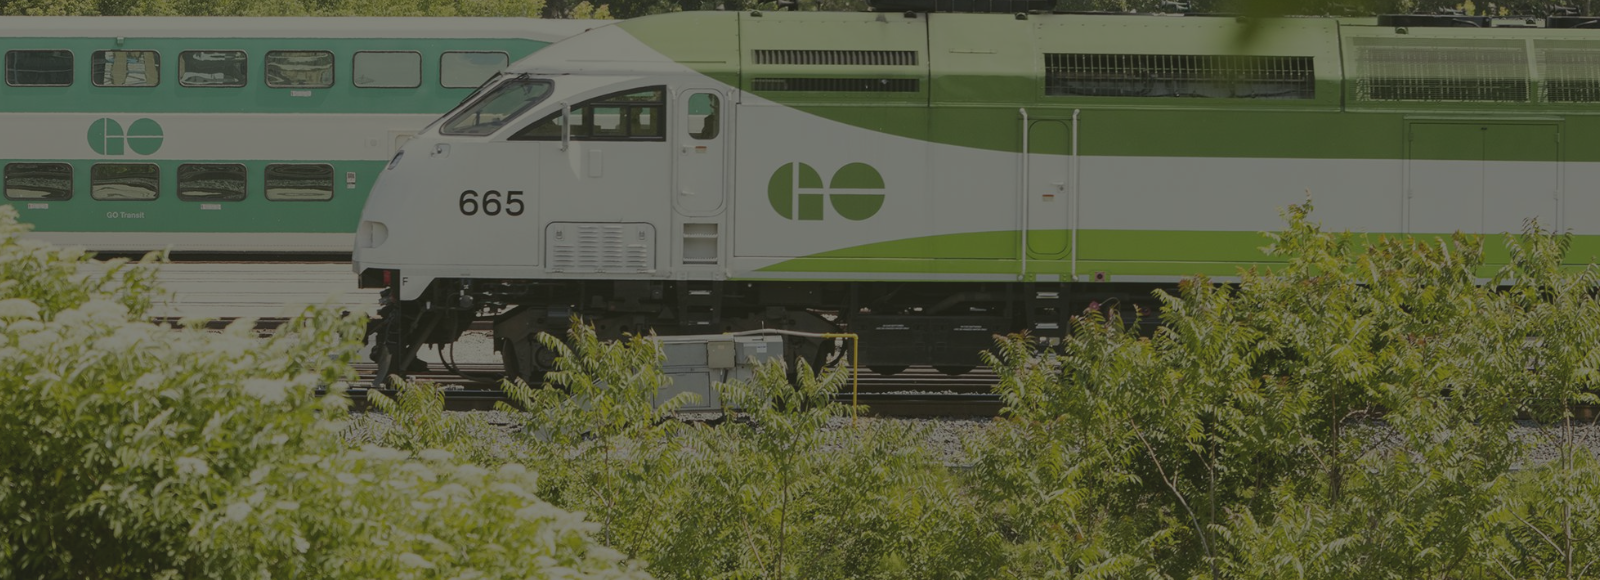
701 157
701 153
1049 162
1481 177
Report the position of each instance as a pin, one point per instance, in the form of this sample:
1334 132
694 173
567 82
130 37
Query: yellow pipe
855 370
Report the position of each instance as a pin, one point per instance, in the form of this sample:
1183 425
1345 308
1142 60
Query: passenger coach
239 135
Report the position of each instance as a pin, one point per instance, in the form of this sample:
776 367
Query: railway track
913 393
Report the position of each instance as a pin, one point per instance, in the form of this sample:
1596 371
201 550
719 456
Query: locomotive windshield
497 106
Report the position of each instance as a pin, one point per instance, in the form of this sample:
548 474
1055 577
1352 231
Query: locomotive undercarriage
900 324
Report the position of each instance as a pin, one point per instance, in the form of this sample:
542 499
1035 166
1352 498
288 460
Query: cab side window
704 122
631 115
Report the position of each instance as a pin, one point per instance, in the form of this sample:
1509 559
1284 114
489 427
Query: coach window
212 68
631 115
125 68
124 181
300 69
703 116
38 181
39 68
468 69
299 182
211 182
387 70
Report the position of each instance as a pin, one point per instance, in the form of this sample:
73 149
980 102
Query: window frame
177 182
244 79
333 70
585 111
442 56
97 198
95 83
73 75
333 184
5 174
478 98
353 73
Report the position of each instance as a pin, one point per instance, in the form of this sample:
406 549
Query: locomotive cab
558 175
553 176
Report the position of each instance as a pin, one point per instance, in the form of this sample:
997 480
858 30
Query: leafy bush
768 492
130 450
1350 414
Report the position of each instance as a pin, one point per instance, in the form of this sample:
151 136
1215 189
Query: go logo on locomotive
106 137
855 192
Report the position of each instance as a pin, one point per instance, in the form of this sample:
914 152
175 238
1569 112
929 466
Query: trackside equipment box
695 362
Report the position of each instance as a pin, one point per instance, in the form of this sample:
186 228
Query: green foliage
770 492
418 422
598 429
1350 414
131 450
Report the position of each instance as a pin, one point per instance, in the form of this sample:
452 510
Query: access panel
1482 177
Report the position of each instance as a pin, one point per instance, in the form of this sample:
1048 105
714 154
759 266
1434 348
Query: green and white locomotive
239 135
927 180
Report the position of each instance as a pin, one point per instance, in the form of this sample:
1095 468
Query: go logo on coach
855 192
106 137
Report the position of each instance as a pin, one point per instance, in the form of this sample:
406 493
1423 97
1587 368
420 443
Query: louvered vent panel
1439 71
1180 75
837 85
600 247
1570 74
837 57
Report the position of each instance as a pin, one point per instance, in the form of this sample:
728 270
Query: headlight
396 160
371 234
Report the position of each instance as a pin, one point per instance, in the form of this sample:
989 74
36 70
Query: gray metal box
696 362
719 354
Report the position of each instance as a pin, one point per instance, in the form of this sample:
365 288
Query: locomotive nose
371 234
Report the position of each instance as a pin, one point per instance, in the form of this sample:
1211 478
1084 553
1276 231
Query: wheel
526 359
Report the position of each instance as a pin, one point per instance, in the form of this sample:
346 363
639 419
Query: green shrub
768 492
1348 414
130 450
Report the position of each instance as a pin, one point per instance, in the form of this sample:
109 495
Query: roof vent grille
1441 70
1181 75
1570 74
837 85
837 57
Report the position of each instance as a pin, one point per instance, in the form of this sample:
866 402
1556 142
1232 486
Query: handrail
566 125
1022 205
1073 224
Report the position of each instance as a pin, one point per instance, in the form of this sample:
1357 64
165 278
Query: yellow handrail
855 369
